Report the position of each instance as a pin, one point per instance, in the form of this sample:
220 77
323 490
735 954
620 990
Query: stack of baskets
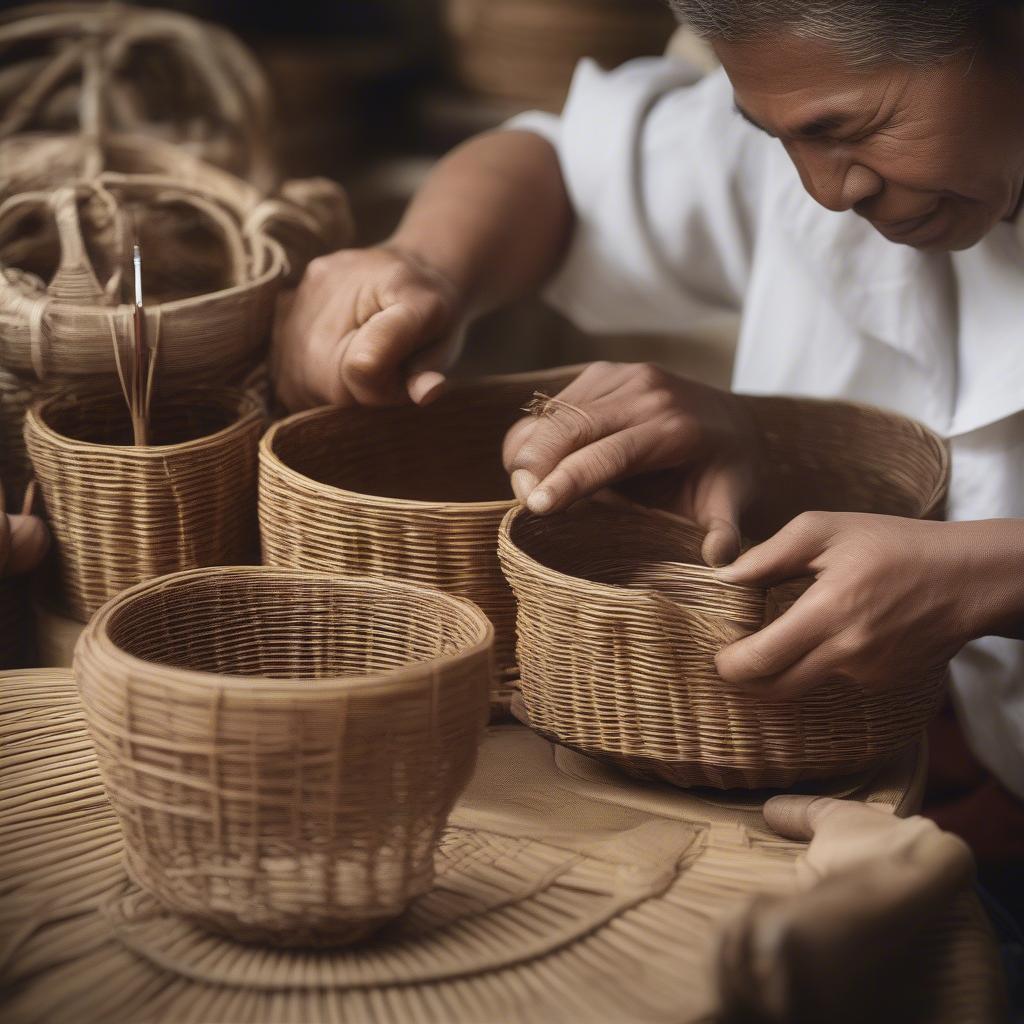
616 642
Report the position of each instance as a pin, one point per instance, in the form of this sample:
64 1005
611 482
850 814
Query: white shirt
684 211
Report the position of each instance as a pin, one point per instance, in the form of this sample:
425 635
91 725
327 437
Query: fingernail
540 501
523 483
425 387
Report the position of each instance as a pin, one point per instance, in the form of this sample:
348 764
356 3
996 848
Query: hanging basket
619 621
297 742
412 493
209 283
120 513
102 68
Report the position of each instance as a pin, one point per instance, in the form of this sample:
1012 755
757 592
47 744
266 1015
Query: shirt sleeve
664 178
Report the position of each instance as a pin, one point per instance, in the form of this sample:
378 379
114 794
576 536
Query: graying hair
867 32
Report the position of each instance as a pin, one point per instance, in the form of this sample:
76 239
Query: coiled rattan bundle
619 622
209 284
102 68
297 742
414 493
122 513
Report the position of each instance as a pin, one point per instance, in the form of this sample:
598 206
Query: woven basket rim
249 409
295 689
609 591
270 458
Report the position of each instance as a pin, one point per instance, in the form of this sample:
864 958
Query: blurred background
373 92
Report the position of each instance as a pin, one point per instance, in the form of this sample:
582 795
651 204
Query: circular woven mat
558 898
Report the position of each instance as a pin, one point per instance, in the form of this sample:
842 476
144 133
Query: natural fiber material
121 514
619 621
414 493
61 870
283 748
209 281
618 626
106 67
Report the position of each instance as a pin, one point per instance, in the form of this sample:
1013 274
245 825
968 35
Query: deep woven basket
619 622
121 514
412 493
100 68
283 748
209 280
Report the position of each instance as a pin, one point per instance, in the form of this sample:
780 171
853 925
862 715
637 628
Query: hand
893 599
369 326
624 420
24 541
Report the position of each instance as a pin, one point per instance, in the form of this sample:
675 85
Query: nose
836 183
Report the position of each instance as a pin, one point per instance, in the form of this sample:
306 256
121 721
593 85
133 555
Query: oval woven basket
283 748
209 281
121 514
422 501
105 67
619 622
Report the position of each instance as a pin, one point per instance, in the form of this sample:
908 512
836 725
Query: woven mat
560 897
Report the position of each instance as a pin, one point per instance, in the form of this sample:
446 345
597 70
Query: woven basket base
60 867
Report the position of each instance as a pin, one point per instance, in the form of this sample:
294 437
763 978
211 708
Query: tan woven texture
406 492
536 846
619 621
121 514
283 748
106 67
208 281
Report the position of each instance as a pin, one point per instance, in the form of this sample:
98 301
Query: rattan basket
121 514
413 493
619 622
99 68
209 281
283 748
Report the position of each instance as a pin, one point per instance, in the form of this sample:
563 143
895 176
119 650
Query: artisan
850 181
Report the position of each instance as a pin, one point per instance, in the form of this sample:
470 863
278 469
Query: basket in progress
413 493
121 514
283 748
619 622
209 280
108 67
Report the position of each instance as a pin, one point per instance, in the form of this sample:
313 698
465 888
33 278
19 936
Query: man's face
932 156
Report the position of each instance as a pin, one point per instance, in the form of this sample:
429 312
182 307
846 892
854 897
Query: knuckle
649 376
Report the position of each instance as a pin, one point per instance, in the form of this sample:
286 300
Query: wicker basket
421 501
121 514
104 67
209 283
283 748
619 622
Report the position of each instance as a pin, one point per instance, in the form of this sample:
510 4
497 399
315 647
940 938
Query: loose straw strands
120 513
411 493
283 748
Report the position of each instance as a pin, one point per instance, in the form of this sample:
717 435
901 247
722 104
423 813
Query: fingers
719 501
30 541
797 817
769 658
792 552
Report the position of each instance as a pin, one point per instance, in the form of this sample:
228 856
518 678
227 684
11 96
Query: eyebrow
808 130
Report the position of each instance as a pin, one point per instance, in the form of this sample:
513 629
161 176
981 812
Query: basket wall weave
102 68
121 514
61 257
413 493
283 748
618 625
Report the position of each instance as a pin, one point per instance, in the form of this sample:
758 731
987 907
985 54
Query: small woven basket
121 514
283 748
619 622
412 493
210 281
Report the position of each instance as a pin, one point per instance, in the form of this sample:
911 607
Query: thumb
789 554
797 817
428 370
